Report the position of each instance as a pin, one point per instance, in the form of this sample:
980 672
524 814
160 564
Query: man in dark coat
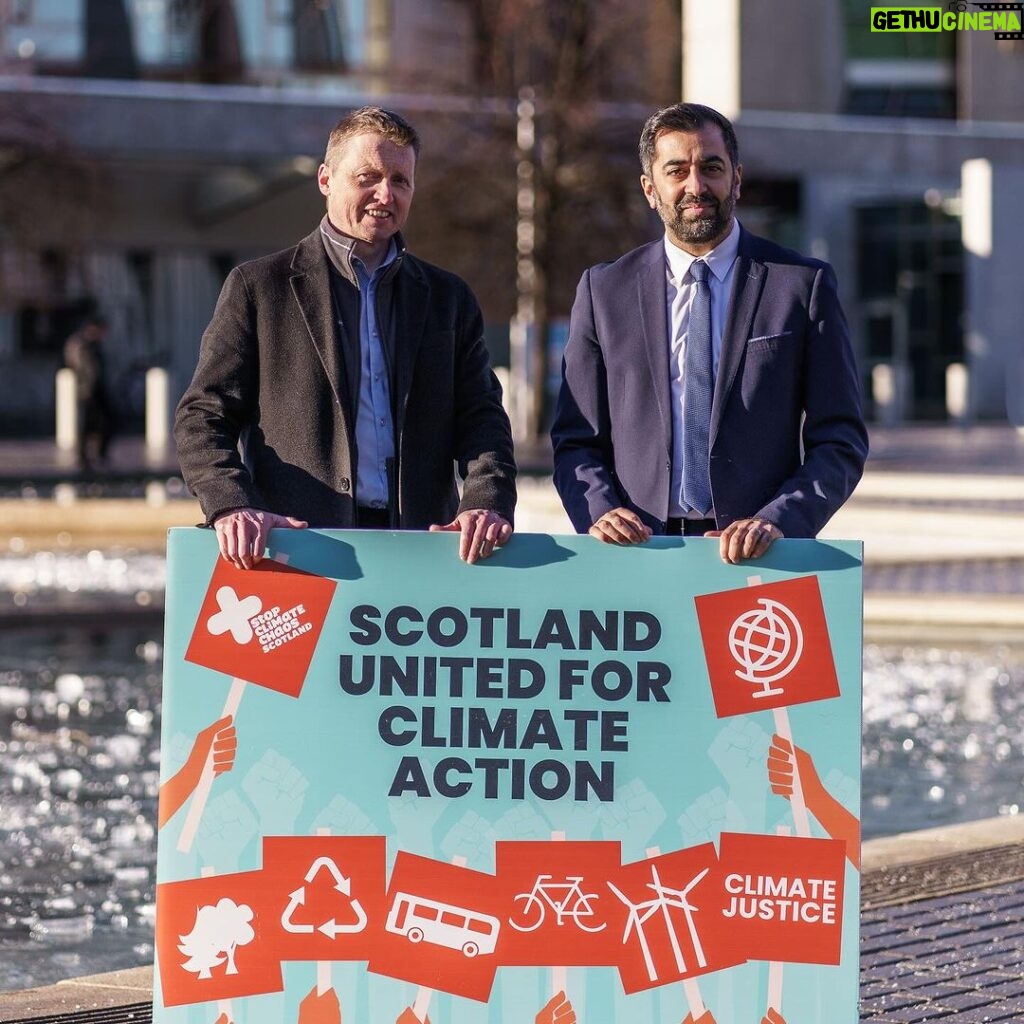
340 381
709 386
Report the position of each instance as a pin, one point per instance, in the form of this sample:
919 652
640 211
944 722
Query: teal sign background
318 762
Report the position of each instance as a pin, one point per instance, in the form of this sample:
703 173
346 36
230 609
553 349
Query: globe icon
766 643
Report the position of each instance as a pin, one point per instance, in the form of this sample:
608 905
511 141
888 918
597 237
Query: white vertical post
691 987
66 410
891 390
157 408
958 403
559 975
223 1005
711 54
323 967
775 967
202 791
781 716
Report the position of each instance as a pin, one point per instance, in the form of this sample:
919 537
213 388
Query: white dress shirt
679 291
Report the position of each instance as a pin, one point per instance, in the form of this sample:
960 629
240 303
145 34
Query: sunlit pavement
940 511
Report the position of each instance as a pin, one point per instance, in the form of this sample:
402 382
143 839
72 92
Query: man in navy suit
708 386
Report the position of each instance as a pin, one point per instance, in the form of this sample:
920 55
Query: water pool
79 753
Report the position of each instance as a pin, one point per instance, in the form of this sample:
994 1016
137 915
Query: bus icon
443 924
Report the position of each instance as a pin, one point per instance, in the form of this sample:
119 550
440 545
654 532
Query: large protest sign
456 787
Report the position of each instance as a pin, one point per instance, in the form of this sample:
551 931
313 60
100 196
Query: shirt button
344 484
382 421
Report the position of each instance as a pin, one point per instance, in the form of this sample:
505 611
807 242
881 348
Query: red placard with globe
767 646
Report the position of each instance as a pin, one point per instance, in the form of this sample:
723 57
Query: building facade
146 146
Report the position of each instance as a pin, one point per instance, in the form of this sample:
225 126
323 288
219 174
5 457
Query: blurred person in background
83 353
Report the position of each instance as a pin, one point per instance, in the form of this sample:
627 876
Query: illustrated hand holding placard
259 626
767 648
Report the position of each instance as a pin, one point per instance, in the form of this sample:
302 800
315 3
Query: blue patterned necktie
698 387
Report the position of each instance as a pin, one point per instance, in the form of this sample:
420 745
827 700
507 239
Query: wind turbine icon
665 898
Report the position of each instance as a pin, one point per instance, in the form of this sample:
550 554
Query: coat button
344 484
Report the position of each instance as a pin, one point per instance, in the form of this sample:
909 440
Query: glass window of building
897 74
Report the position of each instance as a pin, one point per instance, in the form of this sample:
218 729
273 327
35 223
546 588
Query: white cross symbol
234 615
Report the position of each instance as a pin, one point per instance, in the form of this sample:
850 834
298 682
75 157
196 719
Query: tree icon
218 931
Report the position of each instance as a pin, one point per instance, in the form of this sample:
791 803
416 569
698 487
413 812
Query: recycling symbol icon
330 928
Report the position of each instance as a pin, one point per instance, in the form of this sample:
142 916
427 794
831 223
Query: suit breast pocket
768 345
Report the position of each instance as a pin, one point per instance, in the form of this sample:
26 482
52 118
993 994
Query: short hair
685 117
375 120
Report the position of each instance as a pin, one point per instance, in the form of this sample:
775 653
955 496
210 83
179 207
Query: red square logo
782 896
767 646
326 895
212 939
559 909
442 928
672 924
261 625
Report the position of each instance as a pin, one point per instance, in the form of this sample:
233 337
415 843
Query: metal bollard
890 388
157 409
66 410
958 403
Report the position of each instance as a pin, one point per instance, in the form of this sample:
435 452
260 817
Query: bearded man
708 384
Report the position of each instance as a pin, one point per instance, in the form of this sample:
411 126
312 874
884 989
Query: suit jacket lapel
652 299
311 285
748 281
408 320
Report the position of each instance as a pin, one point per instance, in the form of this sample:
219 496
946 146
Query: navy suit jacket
788 441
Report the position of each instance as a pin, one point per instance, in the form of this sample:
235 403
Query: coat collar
311 285
747 285
652 298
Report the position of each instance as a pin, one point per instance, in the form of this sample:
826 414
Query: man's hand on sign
746 538
482 531
773 1017
223 1019
620 526
704 1018
557 1010
322 1008
242 534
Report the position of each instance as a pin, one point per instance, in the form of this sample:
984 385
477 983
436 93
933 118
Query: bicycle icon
566 898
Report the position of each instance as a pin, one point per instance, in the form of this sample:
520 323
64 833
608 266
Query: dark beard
706 228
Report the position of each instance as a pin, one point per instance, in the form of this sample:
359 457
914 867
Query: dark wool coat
278 378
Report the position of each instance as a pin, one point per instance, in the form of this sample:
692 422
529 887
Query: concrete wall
993 228
990 77
791 54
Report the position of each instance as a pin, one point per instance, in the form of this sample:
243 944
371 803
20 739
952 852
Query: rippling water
79 751
943 736
79 721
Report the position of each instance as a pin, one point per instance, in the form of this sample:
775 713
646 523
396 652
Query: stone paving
951 956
